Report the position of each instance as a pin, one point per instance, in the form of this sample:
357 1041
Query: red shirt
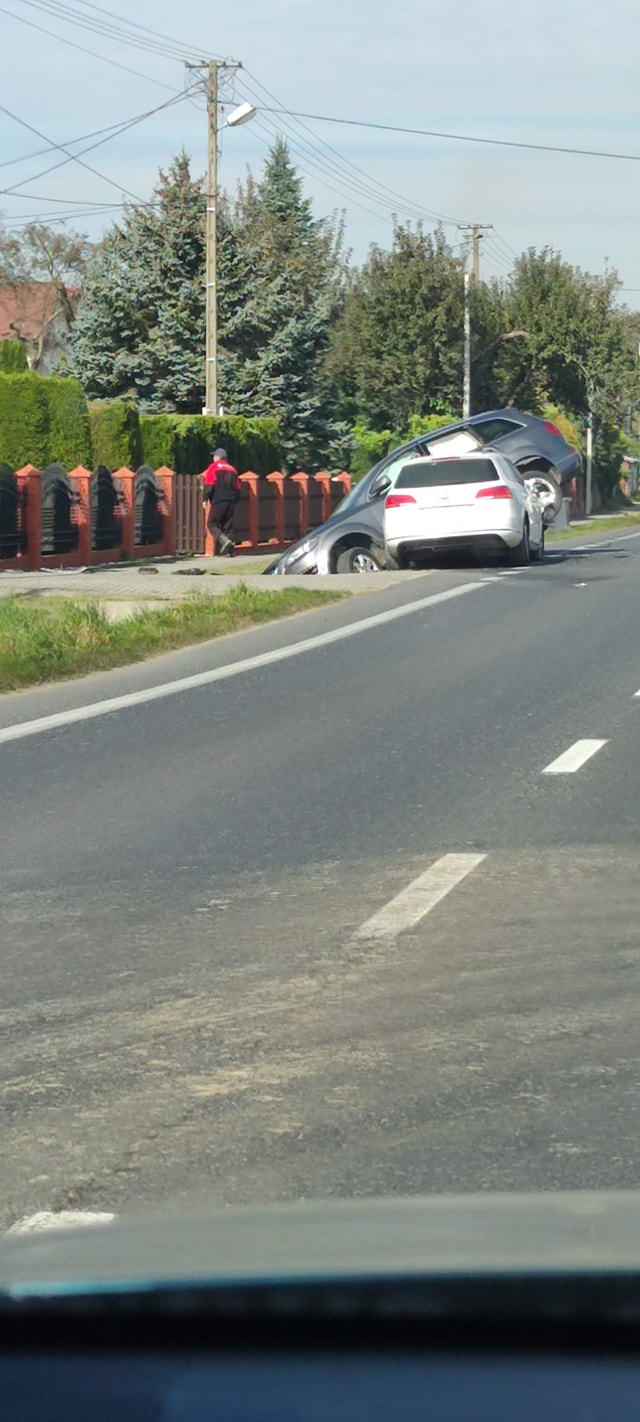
211 475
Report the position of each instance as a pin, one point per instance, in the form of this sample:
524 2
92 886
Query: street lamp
242 114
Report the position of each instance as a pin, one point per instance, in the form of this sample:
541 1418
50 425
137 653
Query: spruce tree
141 326
287 270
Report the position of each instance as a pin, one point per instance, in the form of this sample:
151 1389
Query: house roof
27 306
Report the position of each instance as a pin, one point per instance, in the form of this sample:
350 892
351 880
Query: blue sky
553 73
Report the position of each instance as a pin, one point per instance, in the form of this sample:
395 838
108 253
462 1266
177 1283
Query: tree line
341 354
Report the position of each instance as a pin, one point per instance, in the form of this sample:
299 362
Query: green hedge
185 442
24 421
13 357
69 431
115 434
42 421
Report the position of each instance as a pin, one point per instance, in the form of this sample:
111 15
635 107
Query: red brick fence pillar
29 481
81 478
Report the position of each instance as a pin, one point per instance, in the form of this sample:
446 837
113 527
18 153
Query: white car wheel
520 556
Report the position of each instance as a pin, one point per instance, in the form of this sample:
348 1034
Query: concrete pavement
190 1013
124 588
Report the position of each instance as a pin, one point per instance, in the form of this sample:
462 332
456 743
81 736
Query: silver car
352 540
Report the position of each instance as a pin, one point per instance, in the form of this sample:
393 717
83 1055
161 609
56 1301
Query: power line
321 169
346 189
506 244
133 24
39 152
76 157
303 158
497 255
72 157
83 50
26 219
499 273
329 172
463 137
51 198
322 166
414 207
70 16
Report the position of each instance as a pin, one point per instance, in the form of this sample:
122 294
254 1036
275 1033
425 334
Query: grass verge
595 525
247 567
58 637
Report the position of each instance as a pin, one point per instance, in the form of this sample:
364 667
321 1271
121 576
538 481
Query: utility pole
214 71
475 231
211 396
466 390
588 498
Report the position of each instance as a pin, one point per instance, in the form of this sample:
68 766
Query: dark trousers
220 521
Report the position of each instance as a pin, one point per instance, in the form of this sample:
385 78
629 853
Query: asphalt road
200 1003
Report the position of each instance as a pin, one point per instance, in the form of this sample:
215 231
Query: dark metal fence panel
337 493
292 504
106 521
241 518
60 531
315 503
189 514
13 522
148 521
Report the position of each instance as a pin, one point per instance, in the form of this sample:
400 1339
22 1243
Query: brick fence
271 513
84 518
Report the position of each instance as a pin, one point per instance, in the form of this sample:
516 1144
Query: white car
476 501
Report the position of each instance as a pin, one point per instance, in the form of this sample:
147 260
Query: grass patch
595 525
247 567
59 637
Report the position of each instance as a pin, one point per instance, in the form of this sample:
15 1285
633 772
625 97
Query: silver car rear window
447 471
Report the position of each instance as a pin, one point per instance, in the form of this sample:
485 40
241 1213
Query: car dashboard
549 1329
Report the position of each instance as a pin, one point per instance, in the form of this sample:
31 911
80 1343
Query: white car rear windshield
447 471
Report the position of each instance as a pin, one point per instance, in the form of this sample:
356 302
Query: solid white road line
46 1220
207 678
606 543
573 758
420 896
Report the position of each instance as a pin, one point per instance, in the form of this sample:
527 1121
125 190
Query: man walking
222 489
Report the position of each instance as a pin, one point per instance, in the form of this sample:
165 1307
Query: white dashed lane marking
420 896
574 758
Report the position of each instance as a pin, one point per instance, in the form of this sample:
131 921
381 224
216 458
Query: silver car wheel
364 563
358 559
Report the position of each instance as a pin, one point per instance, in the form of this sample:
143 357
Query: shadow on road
468 560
